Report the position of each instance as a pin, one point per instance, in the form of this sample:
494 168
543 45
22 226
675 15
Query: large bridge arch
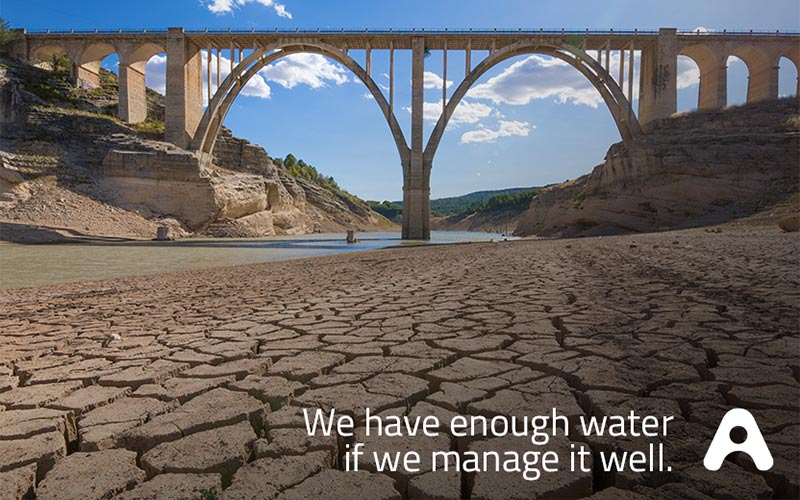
613 96
214 115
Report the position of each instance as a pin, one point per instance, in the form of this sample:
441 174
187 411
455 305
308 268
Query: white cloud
433 81
156 78
542 77
256 87
466 112
313 70
505 129
470 112
155 74
688 72
227 6
538 77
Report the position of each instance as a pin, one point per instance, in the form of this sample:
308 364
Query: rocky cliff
69 169
690 170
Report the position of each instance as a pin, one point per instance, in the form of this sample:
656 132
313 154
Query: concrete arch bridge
191 125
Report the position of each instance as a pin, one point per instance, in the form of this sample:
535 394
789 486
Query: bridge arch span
613 96
762 69
712 63
86 60
133 58
46 52
89 61
214 115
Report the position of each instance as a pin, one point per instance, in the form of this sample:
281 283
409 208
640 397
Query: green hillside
515 199
468 202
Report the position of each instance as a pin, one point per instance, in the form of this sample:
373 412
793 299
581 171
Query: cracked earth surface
201 394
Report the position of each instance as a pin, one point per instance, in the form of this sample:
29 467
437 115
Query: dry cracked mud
191 385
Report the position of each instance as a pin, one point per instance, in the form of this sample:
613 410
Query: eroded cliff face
60 143
689 170
296 205
239 192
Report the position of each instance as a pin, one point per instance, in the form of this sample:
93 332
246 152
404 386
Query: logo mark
723 443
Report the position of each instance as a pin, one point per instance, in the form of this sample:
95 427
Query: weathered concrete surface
216 365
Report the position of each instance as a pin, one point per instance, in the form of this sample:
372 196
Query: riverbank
91 258
687 323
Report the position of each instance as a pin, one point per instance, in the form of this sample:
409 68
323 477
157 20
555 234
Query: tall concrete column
713 87
658 88
184 100
416 178
762 82
132 92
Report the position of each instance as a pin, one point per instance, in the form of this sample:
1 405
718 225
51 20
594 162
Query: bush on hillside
300 169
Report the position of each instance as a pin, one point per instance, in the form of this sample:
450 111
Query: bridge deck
401 40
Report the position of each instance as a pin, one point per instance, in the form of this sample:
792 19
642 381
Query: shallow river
34 265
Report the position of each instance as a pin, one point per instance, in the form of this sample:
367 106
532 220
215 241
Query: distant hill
468 202
479 201
492 211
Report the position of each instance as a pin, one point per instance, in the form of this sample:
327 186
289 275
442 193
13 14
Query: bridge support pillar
658 94
417 174
763 81
417 205
713 87
184 100
132 92
88 76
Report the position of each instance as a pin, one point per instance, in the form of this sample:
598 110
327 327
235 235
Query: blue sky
529 122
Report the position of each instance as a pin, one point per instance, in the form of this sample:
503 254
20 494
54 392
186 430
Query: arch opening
615 100
529 102
128 61
221 102
135 79
703 68
51 58
89 63
738 77
762 73
688 85
788 78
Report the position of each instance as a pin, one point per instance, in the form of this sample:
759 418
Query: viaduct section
191 125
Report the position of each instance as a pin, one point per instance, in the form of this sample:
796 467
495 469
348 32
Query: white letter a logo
722 445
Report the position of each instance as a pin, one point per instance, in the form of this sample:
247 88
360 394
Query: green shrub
300 169
386 208
6 35
47 93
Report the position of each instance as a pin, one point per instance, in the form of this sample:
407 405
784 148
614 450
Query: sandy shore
193 381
